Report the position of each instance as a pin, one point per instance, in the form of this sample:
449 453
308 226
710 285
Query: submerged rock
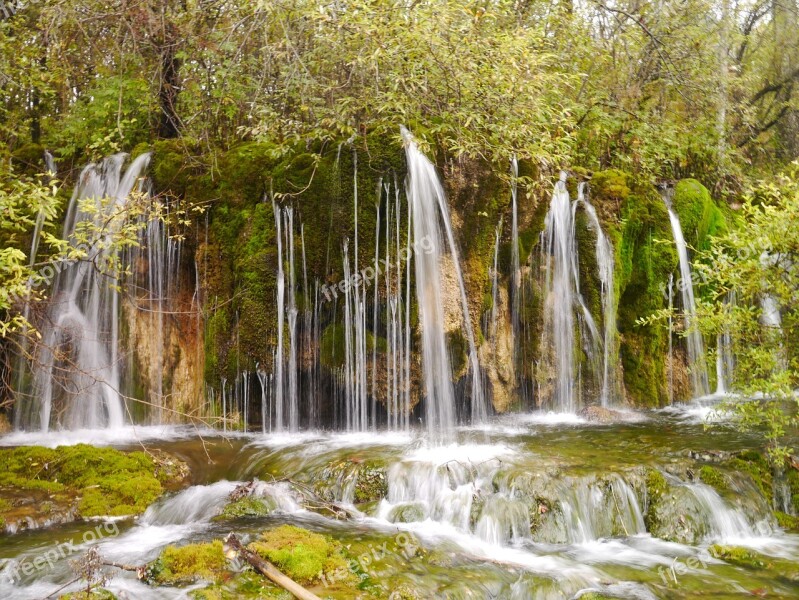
600 414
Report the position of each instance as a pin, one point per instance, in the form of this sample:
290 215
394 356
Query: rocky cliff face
235 258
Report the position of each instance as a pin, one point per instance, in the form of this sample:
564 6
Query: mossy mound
656 488
700 218
714 478
636 220
177 566
305 556
84 480
249 507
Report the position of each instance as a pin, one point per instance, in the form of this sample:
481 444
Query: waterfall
495 287
726 524
263 380
696 347
281 290
671 334
605 263
76 378
430 209
725 363
375 306
293 397
559 248
515 266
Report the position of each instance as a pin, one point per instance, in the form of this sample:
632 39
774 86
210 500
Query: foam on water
104 437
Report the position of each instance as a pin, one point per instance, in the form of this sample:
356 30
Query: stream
455 521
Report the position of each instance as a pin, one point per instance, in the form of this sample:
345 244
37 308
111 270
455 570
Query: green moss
713 477
107 481
737 555
28 159
301 554
757 467
700 218
458 350
244 585
636 220
656 488
371 485
246 507
786 521
95 594
187 564
333 346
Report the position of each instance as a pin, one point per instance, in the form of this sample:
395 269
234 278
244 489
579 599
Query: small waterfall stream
430 212
605 259
696 346
76 377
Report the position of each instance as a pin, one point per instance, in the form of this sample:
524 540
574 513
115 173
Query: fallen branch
133 568
268 570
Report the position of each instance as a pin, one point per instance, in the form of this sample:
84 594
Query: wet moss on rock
180 566
87 480
303 555
249 507
700 217
636 220
714 478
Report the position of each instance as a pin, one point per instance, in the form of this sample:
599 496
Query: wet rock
599 414
247 507
352 481
40 487
408 513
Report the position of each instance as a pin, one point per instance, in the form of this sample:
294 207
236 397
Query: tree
758 264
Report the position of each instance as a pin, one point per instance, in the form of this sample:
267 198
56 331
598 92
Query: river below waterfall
524 506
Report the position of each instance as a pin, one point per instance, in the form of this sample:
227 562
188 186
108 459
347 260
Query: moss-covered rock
246 585
354 481
408 513
656 488
700 218
736 555
305 556
714 478
81 481
636 220
248 507
179 566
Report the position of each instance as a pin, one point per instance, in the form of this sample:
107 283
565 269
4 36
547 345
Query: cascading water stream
605 259
429 211
558 244
281 291
725 363
515 261
696 347
76 378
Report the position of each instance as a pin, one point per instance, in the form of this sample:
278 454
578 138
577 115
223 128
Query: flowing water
605 259
431 223
523 508
696 346
565 312
75 379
